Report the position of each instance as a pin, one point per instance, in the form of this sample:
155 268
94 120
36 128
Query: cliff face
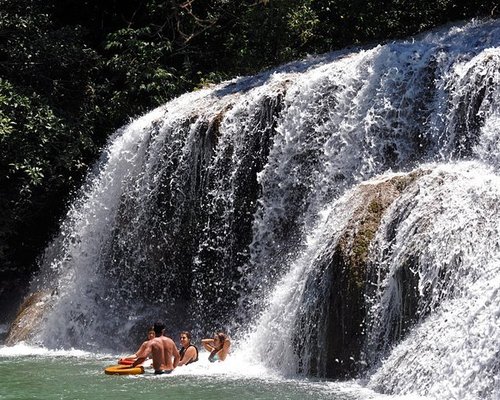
12 290
28 319
344 274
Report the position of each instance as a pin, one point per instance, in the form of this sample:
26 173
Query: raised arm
222 353
208 344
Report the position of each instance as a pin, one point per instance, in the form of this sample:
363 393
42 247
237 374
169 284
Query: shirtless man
165 354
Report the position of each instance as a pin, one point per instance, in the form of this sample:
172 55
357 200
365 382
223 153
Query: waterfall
448 241
338 215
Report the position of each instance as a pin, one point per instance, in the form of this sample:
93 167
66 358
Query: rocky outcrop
29 317
342 270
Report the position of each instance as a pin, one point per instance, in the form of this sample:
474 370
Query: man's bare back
165 354
163 349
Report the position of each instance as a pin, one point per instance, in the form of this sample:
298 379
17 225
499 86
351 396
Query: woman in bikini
218 346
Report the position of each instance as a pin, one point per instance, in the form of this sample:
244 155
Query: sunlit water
37 373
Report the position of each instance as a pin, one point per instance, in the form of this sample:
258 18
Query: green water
77 378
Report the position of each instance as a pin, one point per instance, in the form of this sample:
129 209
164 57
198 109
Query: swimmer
131 358
165 354
188 351
218 346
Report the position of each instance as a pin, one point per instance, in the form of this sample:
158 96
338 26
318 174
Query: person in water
218 346
188 351
165 354
150 335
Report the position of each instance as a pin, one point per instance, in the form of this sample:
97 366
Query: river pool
36 373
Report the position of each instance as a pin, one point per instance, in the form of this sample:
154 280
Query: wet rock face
339 306
332 321
345 327
28 319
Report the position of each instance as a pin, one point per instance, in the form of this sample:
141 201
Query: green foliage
303 20
273 32
137 62
39 159
34 143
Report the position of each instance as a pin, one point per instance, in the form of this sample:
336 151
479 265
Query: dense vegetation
72 71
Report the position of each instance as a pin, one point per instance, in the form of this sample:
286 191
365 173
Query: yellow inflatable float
123 370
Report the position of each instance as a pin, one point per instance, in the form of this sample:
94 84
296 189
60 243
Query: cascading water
448 244
338 215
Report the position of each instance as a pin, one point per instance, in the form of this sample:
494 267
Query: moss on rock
347 268
31 313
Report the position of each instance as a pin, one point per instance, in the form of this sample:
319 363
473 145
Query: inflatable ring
125 361
123 370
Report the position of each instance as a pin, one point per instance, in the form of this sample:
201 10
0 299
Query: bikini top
183 350
213 357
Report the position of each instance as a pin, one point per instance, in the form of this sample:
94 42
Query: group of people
166 356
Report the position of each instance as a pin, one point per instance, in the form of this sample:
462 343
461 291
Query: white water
216 206
197 381
451 230
271 340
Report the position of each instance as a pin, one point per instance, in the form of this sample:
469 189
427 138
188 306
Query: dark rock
335 293
28 319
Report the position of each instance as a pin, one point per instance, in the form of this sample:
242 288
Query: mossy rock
28 319
347 272
377 197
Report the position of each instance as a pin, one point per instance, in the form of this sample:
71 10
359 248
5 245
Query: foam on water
22 350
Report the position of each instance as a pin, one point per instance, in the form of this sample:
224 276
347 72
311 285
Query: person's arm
176 355
135 355
143 353
222 353
208 344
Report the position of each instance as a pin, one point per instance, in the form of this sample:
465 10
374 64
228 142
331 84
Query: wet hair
159 327
187 334
222 337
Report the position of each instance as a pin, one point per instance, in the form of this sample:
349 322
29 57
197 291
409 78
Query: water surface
28 373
